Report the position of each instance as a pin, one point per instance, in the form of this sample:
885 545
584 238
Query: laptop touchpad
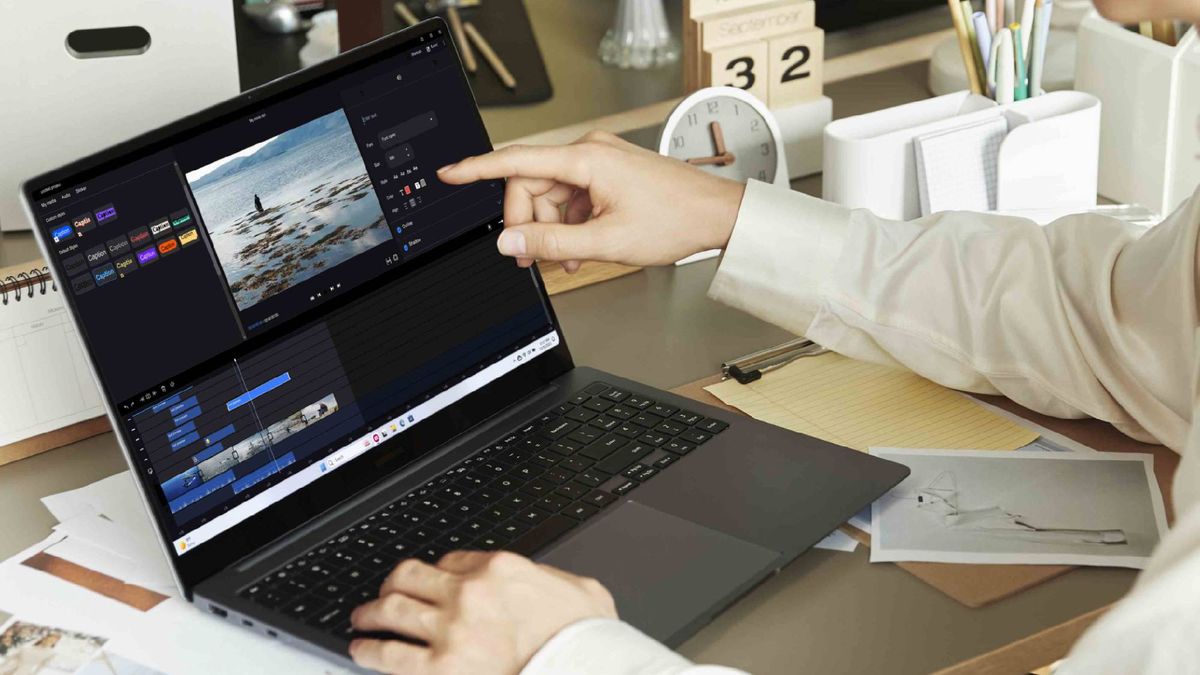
665 572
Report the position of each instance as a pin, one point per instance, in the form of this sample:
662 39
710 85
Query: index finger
563 163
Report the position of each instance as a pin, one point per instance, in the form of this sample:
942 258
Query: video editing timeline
217 438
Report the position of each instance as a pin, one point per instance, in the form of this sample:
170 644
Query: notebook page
860 405
956 169
45 382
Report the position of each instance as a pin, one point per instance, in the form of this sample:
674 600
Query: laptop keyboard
521 493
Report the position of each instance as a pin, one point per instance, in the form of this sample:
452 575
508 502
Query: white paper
837 541
956 168
115 497
138 548
862 519
1019 507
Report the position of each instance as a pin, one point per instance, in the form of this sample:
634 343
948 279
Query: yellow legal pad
860 405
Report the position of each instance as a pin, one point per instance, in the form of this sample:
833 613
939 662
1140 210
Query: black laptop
318 365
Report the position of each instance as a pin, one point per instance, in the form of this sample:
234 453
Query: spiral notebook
48 397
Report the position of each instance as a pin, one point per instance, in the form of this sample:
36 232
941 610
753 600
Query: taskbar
366 442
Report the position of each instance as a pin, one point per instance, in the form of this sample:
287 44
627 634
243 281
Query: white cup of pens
1003 49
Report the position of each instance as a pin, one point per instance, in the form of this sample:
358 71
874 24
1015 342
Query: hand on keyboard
476 612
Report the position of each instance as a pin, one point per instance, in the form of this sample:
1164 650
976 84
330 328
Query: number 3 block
743 66
795 72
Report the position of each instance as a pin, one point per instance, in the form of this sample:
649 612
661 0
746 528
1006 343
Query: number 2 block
795 72
743 66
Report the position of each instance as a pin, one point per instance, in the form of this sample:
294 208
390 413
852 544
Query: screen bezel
401 451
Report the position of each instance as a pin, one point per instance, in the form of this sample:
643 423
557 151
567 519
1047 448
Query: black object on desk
263 57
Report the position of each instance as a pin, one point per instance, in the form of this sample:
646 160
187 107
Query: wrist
721 212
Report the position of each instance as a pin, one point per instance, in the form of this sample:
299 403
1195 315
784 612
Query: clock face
727 137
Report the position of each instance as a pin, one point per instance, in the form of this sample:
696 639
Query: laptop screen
285 292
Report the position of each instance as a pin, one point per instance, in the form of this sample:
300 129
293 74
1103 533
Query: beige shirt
1085 317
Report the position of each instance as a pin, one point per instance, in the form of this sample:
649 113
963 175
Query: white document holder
1047 160
56 107
1151 128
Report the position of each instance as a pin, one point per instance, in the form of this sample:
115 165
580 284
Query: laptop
318 364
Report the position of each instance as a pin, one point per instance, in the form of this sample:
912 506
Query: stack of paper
106 529
956 168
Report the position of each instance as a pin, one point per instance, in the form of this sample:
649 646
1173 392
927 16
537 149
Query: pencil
1005 66
1020 83
1026 29
1164 31
964 46
405 14
973 40
983 40
1037 51
489 55
464 46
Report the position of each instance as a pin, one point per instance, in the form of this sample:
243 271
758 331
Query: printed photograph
281 211
28 648
1019 507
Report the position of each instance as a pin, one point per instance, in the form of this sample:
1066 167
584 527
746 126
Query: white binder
56 107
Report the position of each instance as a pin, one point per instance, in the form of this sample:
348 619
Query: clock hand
718 138
719 160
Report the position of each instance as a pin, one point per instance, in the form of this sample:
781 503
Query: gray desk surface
825 613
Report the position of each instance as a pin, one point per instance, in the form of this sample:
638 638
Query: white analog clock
727 132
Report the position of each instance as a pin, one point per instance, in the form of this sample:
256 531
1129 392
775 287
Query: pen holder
1150 132
1048 159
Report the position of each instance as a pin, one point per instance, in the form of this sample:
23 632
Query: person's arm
1080 317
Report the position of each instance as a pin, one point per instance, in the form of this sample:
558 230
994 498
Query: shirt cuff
603 646
784 247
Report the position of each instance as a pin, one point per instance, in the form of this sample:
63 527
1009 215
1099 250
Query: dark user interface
184 262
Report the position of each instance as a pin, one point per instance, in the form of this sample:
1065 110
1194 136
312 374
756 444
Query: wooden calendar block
743 66
781 18
795 73
695 12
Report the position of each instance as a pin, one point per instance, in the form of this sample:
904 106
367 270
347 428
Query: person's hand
476 612
635 206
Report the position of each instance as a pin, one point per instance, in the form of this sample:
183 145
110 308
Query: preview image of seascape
283 211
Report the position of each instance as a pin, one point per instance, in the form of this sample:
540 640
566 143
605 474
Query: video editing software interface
182 263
